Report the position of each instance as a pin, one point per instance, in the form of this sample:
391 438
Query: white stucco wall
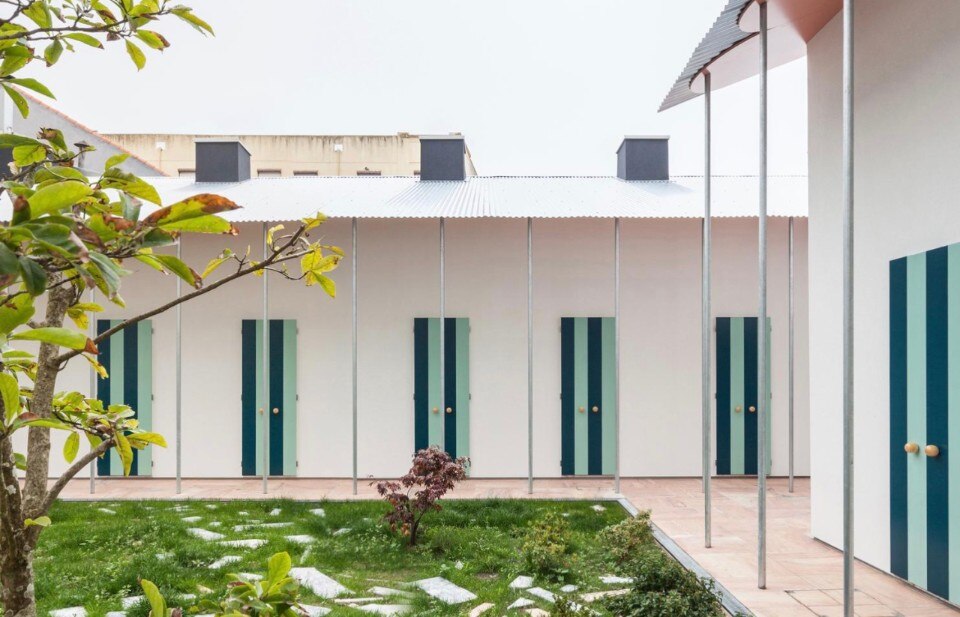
906 188
486 281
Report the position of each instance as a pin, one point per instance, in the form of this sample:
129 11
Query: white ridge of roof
285 199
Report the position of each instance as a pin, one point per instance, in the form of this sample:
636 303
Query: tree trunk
16 543
38 441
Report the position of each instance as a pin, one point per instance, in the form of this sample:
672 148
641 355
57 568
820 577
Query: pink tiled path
803 575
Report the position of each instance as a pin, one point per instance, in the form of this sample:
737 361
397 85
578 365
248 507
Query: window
306 173
268 173
366 171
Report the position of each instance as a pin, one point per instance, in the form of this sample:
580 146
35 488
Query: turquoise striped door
446 413
737 396
925 420
588 413
279 403
128 358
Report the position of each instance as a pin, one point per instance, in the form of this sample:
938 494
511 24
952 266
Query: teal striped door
588 414
128 358
446 413
279 403
737 396
925 420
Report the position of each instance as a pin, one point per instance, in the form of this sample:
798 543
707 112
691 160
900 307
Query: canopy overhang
730 50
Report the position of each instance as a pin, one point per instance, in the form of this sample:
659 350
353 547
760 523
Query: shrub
277 594
546 544
627 539
433 474
565 608
664 588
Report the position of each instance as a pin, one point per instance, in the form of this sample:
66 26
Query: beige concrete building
291 155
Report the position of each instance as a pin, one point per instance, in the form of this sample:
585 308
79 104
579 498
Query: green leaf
71 446
32 84
153 40
327 284
53 52
34 276
19 101
176 216
48 423
8 260
40 521
158 607
136 54
28 155
39 13
216 262
116 160
84 38
14 59
109 270
10 392
15 313
179 268
155 438
63 337
277 568
9 140
57 196
187 15
125 452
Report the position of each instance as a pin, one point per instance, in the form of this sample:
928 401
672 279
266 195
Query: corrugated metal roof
284 199
724 34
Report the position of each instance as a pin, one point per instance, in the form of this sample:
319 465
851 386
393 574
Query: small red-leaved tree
434 472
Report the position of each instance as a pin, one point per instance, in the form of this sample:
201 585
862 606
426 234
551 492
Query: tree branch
54 491
274 258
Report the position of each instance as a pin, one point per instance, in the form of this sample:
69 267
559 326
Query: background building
291 155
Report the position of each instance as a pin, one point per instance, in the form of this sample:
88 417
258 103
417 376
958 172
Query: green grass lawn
94 559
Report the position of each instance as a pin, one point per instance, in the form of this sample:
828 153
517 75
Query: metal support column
848 238
616 352
443 326
353 250
706 397
93 387
762 332
529 355
790 350
265 363
179 376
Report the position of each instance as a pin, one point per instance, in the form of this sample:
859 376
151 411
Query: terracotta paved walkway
804 576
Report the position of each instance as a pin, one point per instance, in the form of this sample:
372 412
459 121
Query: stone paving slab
445 591
247 543
226 559
301 539
319 583
616 580
385 609
73 611
204 534
522 582
310 610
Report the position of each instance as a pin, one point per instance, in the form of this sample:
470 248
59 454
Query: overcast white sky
537 86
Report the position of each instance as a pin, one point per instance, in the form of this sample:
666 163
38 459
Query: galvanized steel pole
443 298
790 351
93 389
179 376
529 355
762 332
848 239
616 354
706 398
354 339
265 378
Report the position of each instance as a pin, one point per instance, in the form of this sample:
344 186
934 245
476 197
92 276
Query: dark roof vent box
443 157
222 159
644 158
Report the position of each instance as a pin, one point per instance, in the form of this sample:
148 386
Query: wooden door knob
582 409
932 451
753 409
276 411
911 448
738 409
449 409
595 409
261 411
436 410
